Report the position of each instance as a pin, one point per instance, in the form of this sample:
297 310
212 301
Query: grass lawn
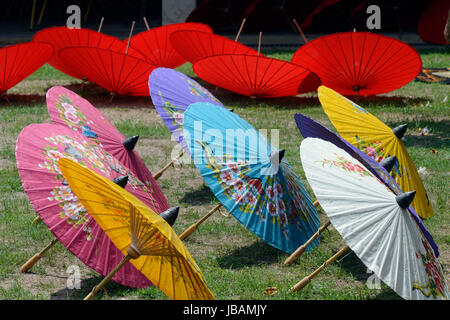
236 264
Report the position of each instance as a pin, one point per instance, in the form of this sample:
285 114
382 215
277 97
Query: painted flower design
435 286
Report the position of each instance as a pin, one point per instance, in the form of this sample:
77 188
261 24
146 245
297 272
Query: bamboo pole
146 24
27 266
101 24
41 15
259 42
240 29
129 37
98 287
300 250
300 30
160 172
37 219
301 284
194 227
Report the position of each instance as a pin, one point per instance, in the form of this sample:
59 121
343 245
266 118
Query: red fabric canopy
256 76
432 22
19 61
62 37
360 63
196 45
117 72
156 47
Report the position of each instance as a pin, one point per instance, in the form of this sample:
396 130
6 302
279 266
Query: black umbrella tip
388 163
400 130
405 199
277 156
170 215
130 142
121 181
231 110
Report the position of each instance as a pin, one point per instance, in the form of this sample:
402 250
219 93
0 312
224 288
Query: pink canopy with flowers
69 109
38 149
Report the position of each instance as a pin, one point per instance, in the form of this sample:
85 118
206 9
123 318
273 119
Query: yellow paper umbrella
145 239
377 140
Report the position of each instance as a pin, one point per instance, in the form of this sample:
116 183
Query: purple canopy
172 92
312 129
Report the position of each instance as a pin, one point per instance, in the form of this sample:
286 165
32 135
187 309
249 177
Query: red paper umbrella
196 45
117 72
256 76
19 61
62 37
360 63
67 108
432 22
155 44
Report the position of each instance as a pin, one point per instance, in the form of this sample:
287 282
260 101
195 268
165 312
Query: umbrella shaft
107 278
160 172
186 233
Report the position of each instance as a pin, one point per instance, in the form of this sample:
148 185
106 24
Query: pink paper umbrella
69 109
38 149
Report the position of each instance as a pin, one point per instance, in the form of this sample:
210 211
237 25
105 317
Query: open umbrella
249 177
19 61
373 221
38 149
196 45
312 129
431 24
143 238
256 76
377 140
116 71
359 63
63 37
155 43
172 92
67 108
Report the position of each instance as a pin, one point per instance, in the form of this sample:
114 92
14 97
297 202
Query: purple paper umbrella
172 92
312 129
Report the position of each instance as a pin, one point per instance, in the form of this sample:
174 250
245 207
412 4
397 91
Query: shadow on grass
257 254
351 264
86 286
21 99
199 196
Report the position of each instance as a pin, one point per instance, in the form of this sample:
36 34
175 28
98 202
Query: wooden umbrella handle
300 250
302 283
160 172
98 287
37 219
240 30
34 259
186 233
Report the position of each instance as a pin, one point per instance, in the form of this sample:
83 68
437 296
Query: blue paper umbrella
249 177
172 92
312 129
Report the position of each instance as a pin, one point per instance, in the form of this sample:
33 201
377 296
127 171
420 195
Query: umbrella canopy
312 129
434 75
431 24
19 61
114 70
250 179
138 231
172 92
373 221
377 140
155 43
256 76
63 37
360 63
67 108
38 149
196 45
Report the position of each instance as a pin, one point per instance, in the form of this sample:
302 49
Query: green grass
236 264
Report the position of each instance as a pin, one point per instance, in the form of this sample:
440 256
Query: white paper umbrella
373 221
